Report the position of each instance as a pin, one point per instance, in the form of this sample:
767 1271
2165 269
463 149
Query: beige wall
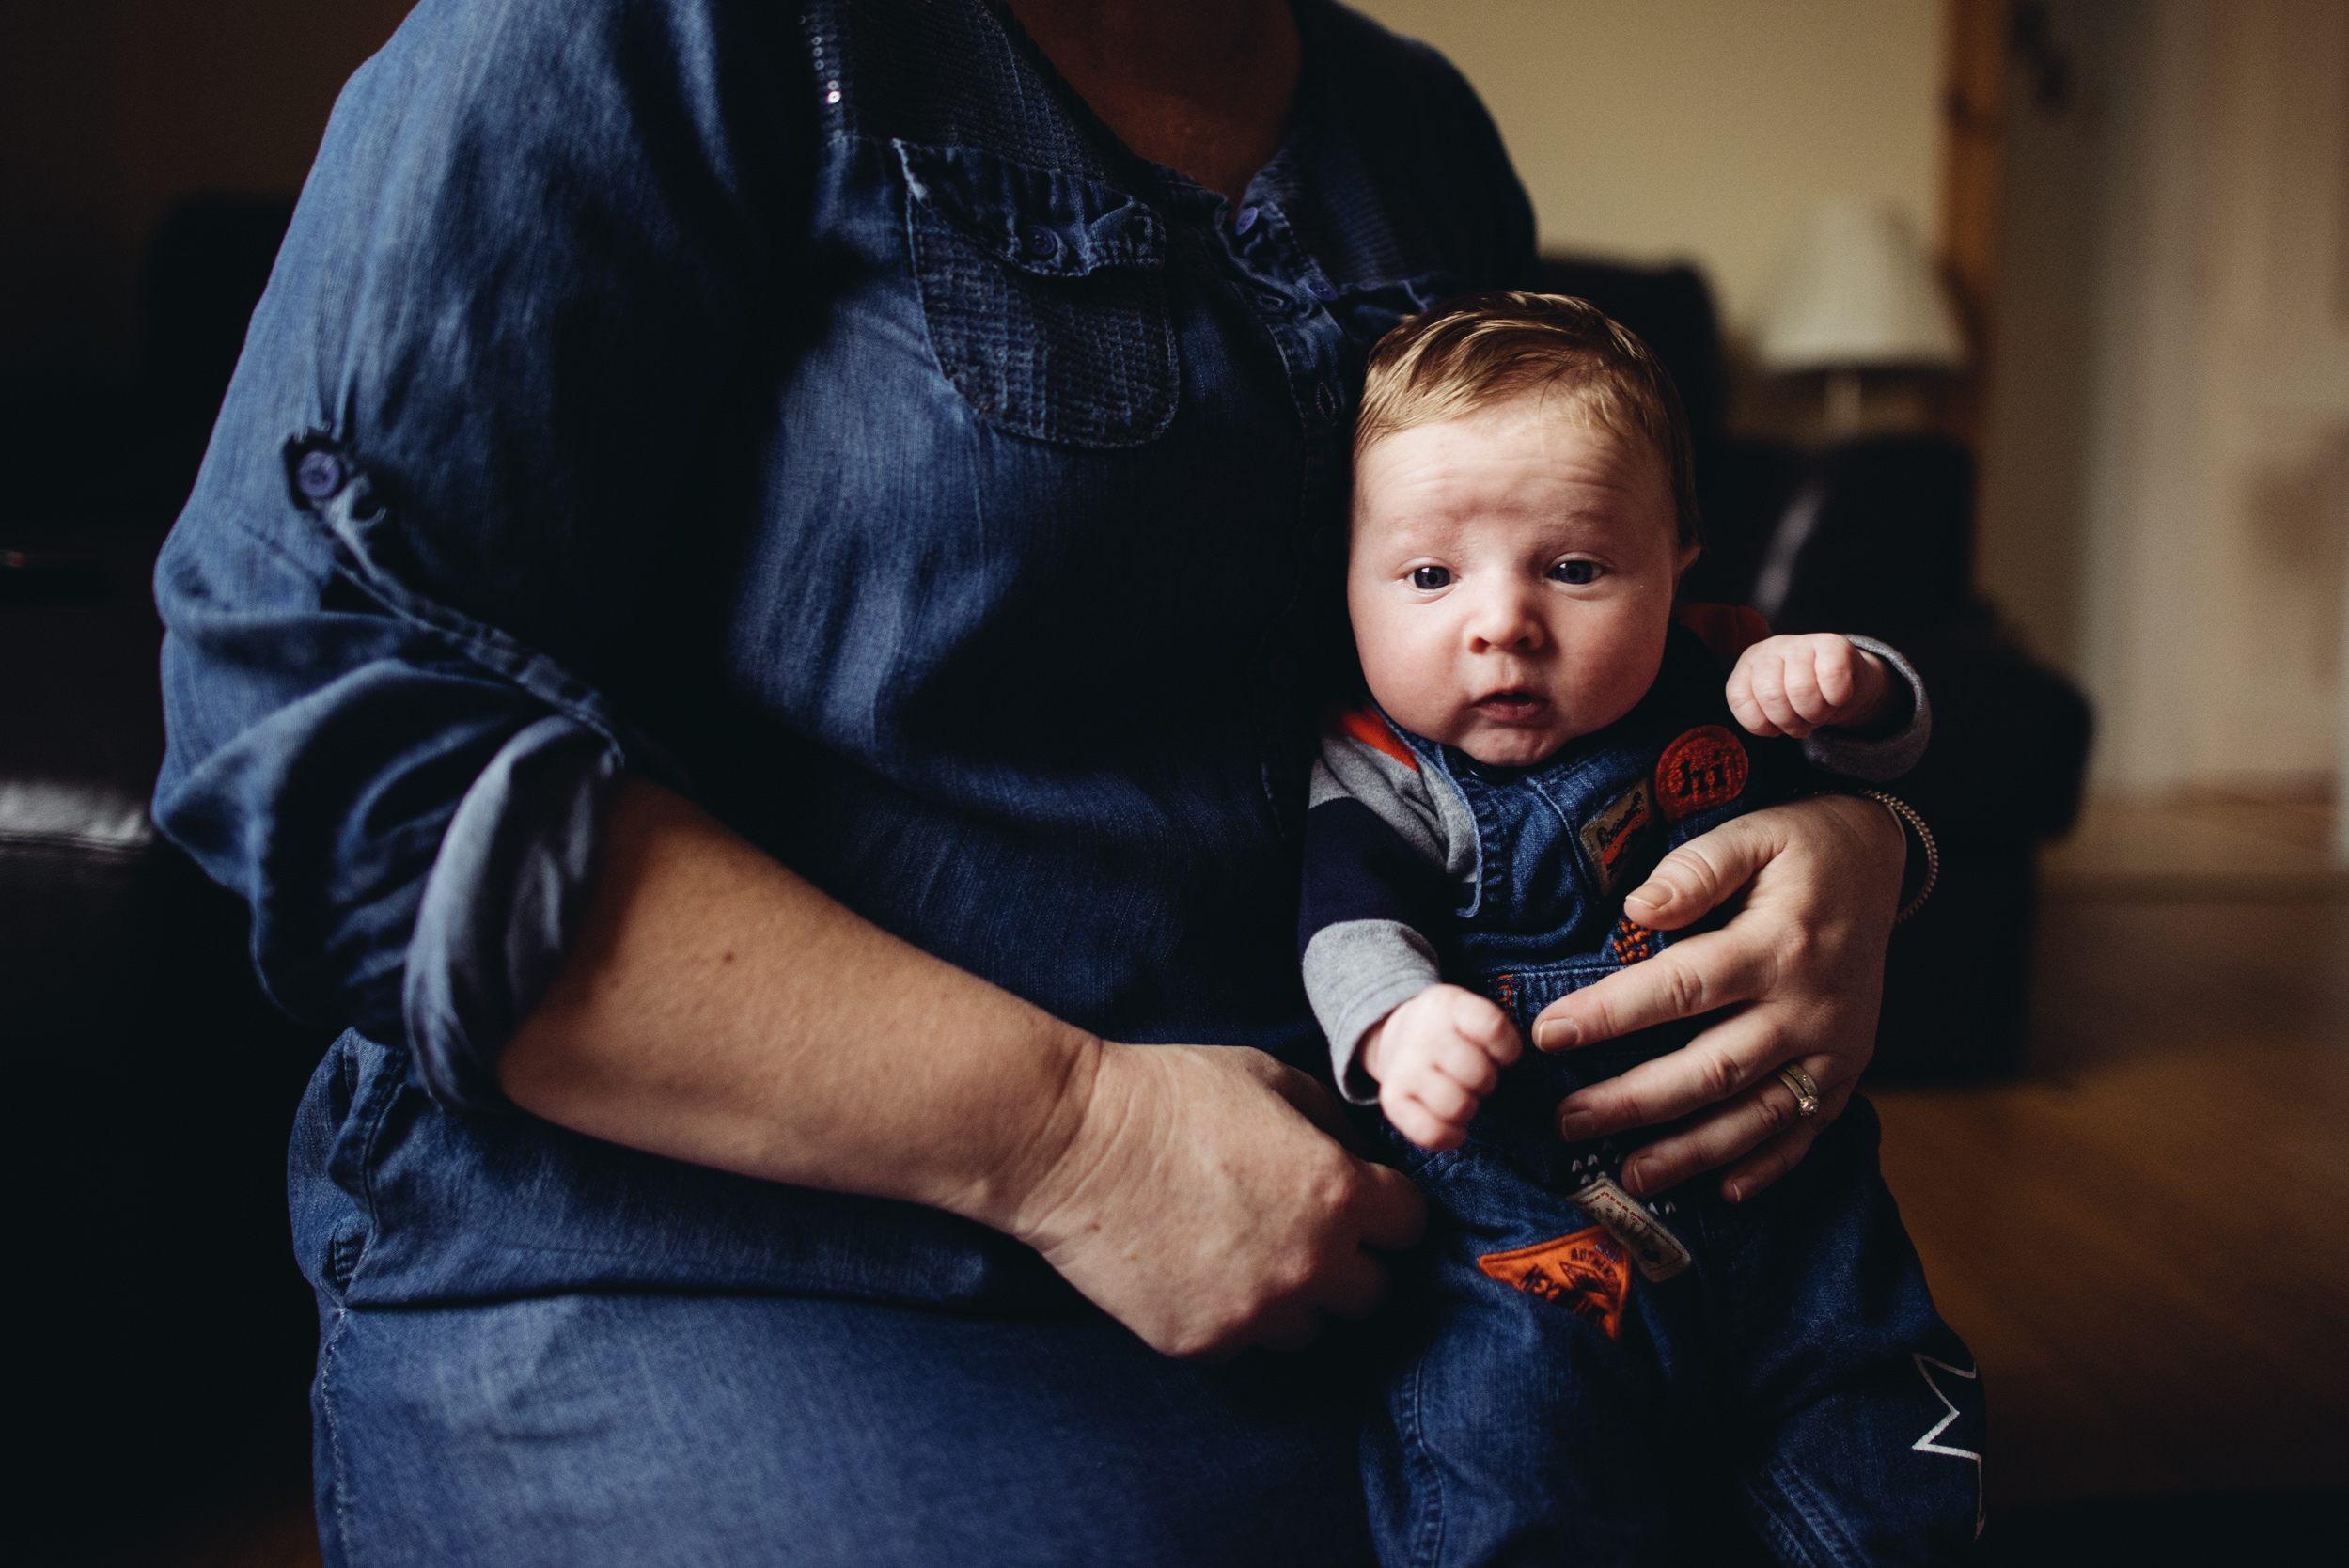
2036 438
2167 462
1656 129
2217 525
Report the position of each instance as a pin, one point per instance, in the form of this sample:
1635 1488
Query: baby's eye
1431 577
1576 572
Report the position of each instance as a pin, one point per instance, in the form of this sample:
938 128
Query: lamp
1857 294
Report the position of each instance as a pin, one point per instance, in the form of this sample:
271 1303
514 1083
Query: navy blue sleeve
1357 868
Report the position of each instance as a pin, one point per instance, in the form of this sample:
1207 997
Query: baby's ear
1687 558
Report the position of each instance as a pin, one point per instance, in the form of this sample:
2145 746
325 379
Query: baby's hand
1436 1059
1794 686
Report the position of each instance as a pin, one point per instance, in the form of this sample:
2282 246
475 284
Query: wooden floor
2146 1237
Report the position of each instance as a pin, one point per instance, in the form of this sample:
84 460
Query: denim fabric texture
644 1430
1779 1379
1795 1377
815 409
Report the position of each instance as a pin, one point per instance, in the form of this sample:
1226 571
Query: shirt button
318 476
1041 242
1327 399
1244 220
1320 289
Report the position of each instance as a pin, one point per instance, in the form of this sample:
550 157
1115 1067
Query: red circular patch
1703 769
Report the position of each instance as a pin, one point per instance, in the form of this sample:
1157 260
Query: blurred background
2015 331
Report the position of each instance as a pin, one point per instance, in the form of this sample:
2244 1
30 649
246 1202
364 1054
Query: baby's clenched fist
1436 1059
1792 686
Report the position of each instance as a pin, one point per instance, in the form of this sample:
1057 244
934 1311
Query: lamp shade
1857 293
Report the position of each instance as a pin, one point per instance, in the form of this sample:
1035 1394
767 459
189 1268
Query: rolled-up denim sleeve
525 831
469 438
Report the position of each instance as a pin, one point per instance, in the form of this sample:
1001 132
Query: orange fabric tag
1704 768
1588 1273
1365 725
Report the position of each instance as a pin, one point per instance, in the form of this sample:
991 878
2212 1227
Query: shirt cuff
1879 758
501 904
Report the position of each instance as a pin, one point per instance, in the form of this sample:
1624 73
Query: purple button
1244 220
1041 242
1320 289
318 474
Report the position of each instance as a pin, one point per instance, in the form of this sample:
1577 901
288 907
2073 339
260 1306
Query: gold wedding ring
1803 1086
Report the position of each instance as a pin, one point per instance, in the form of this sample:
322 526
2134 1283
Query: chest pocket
1044 296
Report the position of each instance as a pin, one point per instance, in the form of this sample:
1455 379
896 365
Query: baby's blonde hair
1479 350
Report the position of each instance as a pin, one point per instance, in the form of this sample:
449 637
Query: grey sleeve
1385 854
1356 972
1884 758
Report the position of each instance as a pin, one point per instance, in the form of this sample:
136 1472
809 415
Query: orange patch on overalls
1703 769
1588 1273
1632 942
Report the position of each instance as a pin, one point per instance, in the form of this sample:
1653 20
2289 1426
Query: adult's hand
1805 957
1203 1202
717 1008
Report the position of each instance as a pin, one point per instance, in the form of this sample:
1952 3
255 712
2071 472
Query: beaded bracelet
1905 814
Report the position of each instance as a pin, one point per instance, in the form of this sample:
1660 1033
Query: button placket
1272 274
1262 267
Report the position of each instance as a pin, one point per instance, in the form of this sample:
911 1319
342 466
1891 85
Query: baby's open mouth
1511 705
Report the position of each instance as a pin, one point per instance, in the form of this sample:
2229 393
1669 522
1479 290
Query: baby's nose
1503 618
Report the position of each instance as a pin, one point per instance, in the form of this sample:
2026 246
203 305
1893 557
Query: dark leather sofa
164 1337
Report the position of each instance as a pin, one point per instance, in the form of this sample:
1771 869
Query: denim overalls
1576 1365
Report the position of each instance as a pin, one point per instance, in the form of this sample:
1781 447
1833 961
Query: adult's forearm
719 1008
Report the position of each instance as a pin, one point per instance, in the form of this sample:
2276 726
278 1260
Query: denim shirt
817 410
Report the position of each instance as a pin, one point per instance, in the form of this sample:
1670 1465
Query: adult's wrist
1890 847
1043 1164
1881 846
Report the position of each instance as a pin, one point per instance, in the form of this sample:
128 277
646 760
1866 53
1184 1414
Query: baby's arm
1383 856
1436 1059
1794 686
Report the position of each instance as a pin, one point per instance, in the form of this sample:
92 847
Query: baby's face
1510 578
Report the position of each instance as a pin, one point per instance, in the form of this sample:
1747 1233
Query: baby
1542 728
